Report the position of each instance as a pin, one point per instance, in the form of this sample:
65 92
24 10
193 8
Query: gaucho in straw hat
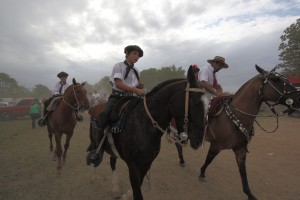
208 77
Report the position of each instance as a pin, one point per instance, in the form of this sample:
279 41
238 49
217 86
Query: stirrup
42 122
79 118
94 158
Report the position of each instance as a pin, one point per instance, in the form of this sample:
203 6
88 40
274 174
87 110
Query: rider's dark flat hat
60 74
131 48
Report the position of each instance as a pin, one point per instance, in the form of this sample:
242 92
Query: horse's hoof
202 179
94 158
116 195
181 164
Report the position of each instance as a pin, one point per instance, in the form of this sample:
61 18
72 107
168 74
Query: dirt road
27 172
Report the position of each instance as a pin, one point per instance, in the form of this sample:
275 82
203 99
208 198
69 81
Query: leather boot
94 157
42 122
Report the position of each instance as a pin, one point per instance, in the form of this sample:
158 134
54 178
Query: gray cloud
38 39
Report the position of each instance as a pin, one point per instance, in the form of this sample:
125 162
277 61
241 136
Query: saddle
118 115
217 105
120 112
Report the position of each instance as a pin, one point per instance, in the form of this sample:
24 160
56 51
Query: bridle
183 136
77 104
264 80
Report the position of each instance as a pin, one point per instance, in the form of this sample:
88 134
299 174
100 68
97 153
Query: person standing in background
34 112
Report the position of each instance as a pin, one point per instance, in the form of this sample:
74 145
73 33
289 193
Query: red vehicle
294 78
19 110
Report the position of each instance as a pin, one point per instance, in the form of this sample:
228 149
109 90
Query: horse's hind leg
180 154
212 153
240 155
115 181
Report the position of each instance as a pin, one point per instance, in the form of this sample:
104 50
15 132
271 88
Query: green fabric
34 108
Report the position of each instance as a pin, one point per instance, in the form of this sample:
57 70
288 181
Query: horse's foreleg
136 179
66 146
58 152
50 138
212 153
180 154
115 181
240 156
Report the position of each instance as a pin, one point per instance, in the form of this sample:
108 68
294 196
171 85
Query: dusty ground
27 172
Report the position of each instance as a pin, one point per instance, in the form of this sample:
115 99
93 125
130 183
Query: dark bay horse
233 127
62 120
139 142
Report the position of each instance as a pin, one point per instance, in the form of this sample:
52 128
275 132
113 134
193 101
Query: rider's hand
139 92
140 85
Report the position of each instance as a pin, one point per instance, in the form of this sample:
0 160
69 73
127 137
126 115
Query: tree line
151 77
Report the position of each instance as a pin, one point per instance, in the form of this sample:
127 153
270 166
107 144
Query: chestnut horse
139 142
233 127
62 120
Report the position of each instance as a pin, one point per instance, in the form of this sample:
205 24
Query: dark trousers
104 116
34 116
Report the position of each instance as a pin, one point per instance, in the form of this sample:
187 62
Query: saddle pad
216 104
97 109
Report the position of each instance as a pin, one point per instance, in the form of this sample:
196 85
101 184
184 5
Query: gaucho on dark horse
137 138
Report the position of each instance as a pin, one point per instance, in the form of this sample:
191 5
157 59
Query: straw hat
218 59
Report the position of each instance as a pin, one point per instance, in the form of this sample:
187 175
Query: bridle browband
182 136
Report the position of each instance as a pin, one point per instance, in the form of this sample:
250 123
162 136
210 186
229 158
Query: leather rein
182 137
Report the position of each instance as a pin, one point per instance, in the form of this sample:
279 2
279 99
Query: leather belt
122 94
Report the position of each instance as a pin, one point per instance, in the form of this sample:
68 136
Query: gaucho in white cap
208 78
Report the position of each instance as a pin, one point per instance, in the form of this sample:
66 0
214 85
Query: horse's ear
260 70
83 83
191 77
273 70
74 81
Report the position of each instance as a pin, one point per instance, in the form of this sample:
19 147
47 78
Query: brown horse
233 127
62 120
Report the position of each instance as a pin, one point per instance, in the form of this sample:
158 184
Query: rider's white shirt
57 86
119 72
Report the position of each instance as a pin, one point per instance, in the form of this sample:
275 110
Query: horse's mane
163 84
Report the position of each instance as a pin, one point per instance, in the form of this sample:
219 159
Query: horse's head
76 95
275 87
192 122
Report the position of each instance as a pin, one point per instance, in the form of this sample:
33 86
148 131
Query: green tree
290 47
41 91
103 86
10 88
151 77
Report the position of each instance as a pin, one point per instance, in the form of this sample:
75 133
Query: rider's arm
122 86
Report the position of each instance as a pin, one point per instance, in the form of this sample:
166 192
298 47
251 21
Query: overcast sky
85 38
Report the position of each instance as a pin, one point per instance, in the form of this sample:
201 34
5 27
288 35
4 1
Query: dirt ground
27 171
